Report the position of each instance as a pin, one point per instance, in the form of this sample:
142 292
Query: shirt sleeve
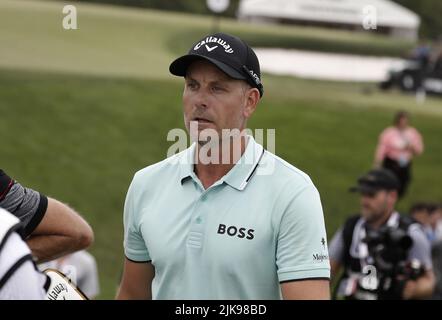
302 241
134 246
421 248
26 204
381 148
336 248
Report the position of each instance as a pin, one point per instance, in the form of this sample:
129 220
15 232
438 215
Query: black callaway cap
229 53
375 180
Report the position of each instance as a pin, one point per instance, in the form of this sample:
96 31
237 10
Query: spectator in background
421 213
422 54
396 148
428 215
436 221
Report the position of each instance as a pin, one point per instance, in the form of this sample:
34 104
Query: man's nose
365 200
201 99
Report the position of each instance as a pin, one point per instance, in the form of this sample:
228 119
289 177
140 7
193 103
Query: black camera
389 248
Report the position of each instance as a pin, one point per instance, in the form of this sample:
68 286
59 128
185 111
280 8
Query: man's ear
252 99
393 195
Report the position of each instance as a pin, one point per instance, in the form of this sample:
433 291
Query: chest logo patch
238 232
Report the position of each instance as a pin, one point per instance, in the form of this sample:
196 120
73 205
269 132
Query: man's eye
217 89
192 85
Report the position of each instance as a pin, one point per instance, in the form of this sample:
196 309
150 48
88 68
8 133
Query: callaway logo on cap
229 53
211 43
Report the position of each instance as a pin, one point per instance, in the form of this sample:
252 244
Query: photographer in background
384 255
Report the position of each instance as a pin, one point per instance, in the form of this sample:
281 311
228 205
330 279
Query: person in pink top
396 148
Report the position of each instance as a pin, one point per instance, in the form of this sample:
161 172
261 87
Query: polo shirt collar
243 170
239 175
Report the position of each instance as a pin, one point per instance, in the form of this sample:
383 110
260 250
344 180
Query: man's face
435 217
376 205
422 217
214 100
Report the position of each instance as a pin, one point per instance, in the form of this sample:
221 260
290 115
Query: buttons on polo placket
196 233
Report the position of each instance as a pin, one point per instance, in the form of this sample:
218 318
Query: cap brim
364 189
179 66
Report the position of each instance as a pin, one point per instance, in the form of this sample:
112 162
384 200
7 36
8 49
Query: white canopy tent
391 17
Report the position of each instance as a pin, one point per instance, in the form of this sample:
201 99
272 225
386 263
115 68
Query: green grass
81 111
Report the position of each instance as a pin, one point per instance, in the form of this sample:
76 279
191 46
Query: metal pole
216 23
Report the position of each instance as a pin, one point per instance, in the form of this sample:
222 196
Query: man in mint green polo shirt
251 227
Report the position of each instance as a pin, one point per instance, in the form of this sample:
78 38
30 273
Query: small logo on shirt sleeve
320 257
